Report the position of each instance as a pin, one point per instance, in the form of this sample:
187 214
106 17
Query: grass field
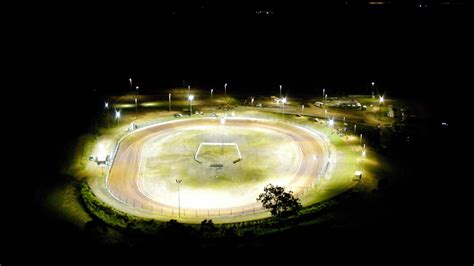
267 157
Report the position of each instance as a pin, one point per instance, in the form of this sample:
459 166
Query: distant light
101 153
106 105
212 90
117 114
381 99
191 97
225 85
444 124
135 100
364 153
252 100
331 122
283 100
136 87
373 83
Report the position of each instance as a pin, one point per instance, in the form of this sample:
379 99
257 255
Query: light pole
137 88
179 197
222 137
252 101
324 93
130 81
117 116
225 91
355 128
373 84
280 93
136 106
380 105
212 90
107 114
189 89
360 138
169 102
191 98
325 98
283 101
302 109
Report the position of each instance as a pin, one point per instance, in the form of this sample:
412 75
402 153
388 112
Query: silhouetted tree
208 227
280 203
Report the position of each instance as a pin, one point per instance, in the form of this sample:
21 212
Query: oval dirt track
122 179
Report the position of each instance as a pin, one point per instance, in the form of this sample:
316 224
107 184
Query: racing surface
124 176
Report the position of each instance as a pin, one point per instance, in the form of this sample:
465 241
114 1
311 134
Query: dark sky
81 47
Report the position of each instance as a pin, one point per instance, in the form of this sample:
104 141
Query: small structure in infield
237 159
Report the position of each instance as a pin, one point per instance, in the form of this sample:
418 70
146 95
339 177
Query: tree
208 227
280 203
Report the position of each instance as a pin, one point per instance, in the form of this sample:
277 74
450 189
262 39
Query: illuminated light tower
280 92
131 84
324 93
189 89
283 101
136 105
117 116
191 98
373 85
179 197
222 137
380 105
225 91
252 101
169 101
107 113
